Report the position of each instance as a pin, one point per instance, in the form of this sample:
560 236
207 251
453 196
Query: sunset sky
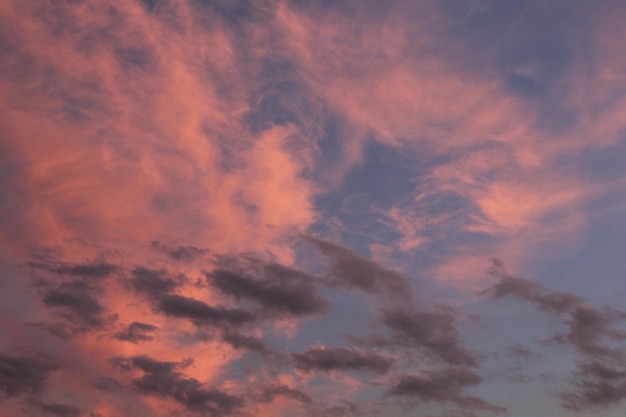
312 208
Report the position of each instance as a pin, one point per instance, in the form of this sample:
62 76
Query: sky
312 208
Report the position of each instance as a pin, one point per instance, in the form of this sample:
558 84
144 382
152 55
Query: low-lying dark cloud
161 379
74 293
79 304
443 386
78 300
596 384
87 270
240 341
280 291
557 302
328 359
137 332
107 384
270 393
600 378
60 410
433 332
588 327
200 313
354 271
179 253
25 374
153 283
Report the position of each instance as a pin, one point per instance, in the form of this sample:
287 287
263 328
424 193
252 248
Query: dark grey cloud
280 290
270 393
344 409
240 341
454 413
443 386
557 302
599 380
200 313
351 270
25 374
596 384
60 410
339 358
87 270
162 379
79 305
152 282
589 327
137 332
179 253
434 332
74 294
108 384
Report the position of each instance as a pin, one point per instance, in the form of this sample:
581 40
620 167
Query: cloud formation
281 291
301 196
25 374
598 378
328 359
435 333
161 379
352 270
137 332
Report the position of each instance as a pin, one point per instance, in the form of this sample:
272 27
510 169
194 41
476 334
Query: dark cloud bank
256 293
600 375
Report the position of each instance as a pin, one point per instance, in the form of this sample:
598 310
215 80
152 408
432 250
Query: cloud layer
287 208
